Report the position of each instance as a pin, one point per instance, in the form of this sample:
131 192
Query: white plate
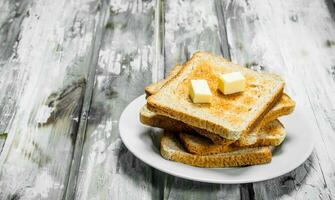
143 142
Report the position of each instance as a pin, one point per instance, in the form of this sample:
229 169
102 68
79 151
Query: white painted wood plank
43 75
11 15
126 64
293 38
190 26
88 93
10 20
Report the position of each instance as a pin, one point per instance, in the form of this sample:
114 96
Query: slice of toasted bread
284 107
155 87
171 149
242 110
272 134
150 118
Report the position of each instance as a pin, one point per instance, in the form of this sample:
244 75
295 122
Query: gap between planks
157 73
71 184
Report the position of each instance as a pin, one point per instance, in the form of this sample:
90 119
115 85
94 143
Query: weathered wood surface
45 53
3 137
294 41
10 20
69 68
125 66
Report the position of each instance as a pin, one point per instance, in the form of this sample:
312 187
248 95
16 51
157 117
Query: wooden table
69 67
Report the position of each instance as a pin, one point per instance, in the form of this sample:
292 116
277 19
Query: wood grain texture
87 97
69 68
190 26
294 41
12 14
45 57
125 66
3 137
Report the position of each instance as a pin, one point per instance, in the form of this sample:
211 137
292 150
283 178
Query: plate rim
138 155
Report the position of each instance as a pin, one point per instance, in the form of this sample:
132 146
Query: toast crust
155 87
285 106
171 149
152 119
166 101
272 134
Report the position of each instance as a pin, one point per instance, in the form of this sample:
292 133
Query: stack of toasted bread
232 130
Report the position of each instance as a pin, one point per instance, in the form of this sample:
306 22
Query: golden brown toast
284 106
271 134
155 87
228 115
171 149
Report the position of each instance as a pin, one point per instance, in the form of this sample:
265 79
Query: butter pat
231 83
200 92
